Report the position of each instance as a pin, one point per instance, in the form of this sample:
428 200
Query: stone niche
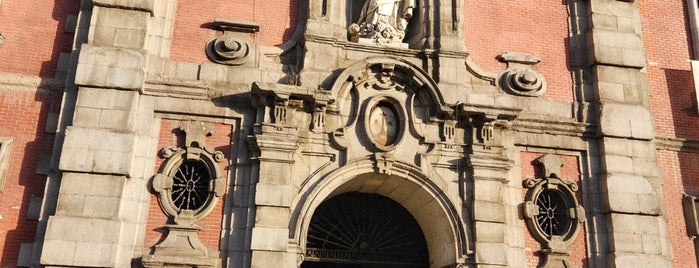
393 23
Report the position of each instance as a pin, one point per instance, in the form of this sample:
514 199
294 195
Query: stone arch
411 76
429 205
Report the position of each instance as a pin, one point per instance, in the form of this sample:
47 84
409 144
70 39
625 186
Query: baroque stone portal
382 22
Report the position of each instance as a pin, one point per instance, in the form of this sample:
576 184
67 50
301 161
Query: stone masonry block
631 194
97 150
640 260
108 99
617 75
273 195
488 190
145 5
489 211
118 27
491 253
490 232
634 224
615 8
275 217
84 184
607 38
629 121
83 230
58 252
96 254
626 183
269 239
608 55
628 243
266 259
110 67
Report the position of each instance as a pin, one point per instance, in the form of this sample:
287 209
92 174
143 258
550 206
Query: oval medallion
383 124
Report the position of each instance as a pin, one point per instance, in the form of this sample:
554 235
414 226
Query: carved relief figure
382 21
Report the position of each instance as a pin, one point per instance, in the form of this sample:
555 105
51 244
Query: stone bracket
277 103
520 78
234 47
487 120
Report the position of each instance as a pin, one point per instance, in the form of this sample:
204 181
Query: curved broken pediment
386 100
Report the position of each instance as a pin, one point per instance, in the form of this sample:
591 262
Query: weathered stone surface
273 195
269 239
145 5
97 150
110 67
620 120
491 253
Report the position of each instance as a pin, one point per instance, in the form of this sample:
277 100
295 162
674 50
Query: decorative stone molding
387 96
519 78
234 47
277 103
188 186
552 213
486 121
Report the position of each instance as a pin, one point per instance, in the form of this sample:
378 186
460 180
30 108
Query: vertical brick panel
277 20
570 172
210 235
530 26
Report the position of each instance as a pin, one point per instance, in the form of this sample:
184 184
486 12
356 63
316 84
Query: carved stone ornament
383 122
519 78
382 22
188 186
234 47
552 213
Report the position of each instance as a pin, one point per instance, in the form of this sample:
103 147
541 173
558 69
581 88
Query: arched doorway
360 230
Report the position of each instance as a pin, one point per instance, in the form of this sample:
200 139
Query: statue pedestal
371 41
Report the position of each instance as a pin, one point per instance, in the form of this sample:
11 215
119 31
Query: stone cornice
28 82
677 144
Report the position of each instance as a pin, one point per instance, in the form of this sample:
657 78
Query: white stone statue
382 21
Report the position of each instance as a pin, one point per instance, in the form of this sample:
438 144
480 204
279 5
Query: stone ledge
142 5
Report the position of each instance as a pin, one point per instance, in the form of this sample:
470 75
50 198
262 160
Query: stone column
629 173
105 157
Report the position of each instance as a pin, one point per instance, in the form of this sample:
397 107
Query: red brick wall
277 20
34 35
210 235
679 172
22 118
667 42
571 172
531 26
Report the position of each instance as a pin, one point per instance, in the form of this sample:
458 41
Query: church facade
377 133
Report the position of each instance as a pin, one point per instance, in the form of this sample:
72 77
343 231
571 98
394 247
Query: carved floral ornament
552 212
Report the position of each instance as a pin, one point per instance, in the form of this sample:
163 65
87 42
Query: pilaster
630 179
490 160
106 152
